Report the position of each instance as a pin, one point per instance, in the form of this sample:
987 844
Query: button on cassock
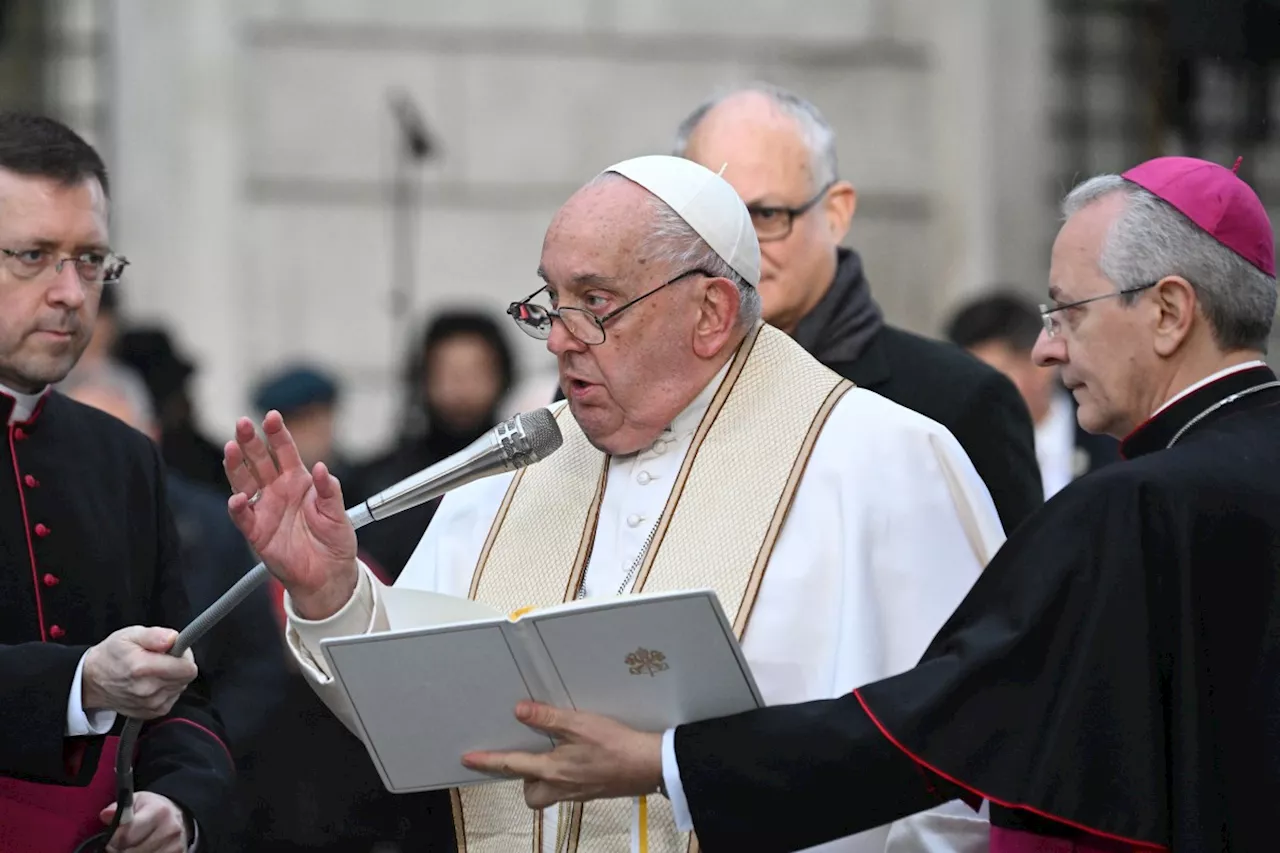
50 580
634 520
42 531
643 478
31 482
56 632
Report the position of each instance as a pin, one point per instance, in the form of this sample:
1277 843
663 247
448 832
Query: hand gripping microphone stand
515 443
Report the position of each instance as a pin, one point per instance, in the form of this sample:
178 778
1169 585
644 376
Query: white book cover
446 679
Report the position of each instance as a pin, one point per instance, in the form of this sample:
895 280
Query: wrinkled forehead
1075 269
602 233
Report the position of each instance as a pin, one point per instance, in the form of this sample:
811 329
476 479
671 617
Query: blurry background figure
106 332
307 398
456 381
151 353
243 655
1000 329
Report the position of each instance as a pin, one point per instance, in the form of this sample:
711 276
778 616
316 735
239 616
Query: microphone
512 444
515 443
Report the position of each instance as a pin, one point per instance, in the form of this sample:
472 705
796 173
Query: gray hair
1151 239
815 131
675 243
682 248
113 378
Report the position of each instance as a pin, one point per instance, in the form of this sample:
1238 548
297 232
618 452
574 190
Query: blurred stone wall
254 152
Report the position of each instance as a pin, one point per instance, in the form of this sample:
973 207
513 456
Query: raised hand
293 518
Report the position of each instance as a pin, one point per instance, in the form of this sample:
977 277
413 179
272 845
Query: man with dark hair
1001 329
91 589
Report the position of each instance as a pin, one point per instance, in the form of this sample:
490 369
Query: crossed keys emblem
645 662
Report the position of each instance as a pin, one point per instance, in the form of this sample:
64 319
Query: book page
425 698
650 661
416 608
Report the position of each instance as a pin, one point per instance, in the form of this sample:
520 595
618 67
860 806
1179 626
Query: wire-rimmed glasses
536 320
1047 312
91 267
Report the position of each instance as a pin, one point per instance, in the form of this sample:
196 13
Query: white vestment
888 529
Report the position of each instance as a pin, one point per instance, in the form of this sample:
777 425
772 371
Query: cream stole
717 531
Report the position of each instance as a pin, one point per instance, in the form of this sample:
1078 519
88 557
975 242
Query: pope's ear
717 317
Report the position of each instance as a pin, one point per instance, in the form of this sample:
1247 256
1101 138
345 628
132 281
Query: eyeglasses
1051 324
92 267
774 223
536 320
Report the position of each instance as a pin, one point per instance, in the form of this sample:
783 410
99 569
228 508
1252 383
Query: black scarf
845 320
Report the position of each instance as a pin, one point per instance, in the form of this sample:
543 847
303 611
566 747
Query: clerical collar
1155 433
1226 371
23 405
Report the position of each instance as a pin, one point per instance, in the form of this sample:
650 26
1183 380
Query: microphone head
530 437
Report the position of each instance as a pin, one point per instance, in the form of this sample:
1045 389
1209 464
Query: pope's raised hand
297 522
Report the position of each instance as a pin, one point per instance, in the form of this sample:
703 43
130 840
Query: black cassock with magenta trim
1112 680
87 547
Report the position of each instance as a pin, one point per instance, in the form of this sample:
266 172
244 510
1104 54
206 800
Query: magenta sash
45 818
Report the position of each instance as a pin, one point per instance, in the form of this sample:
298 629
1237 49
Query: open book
446 679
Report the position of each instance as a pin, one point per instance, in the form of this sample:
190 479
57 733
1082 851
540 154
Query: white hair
816 133
674 243
1151 239
680 247
117 379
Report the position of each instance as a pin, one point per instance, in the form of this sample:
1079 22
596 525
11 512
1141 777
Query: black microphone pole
413 147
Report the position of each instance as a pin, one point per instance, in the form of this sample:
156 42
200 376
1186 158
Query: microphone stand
519 441
187 637
414 146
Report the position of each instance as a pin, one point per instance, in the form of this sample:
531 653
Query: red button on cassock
31 482
50 580
41 530
19 433
56 632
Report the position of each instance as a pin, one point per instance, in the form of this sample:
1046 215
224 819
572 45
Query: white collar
1235 368
23 404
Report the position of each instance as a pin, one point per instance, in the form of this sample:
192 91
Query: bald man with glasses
779 153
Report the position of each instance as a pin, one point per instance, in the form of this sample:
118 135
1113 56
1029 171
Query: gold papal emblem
645 662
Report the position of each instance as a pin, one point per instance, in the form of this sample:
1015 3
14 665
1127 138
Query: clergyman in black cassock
1114 676
91 589
1116 667
1112 681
